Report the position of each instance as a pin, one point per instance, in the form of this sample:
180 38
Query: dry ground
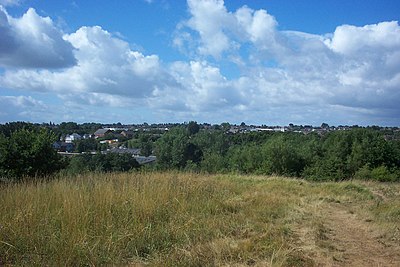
343 233
357 241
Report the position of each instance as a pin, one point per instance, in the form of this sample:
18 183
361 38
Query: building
145 160
101 133
63 146
127 134
87 136
72 137
133 151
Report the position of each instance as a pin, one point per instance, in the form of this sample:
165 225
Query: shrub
382 174
102 163
364 173
28 153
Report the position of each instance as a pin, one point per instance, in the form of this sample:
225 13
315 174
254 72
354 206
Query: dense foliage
360 152
27 151
72 127
102 163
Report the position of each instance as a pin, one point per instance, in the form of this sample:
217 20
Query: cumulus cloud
351 40
280 76
32 41
209 19
105 65
201 87
21 101
369 74
222 31
20 108
354 67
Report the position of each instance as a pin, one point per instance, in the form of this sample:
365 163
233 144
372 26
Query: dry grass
179 219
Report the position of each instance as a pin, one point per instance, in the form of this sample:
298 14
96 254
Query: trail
347 240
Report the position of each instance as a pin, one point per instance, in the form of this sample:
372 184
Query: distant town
137 139
321 152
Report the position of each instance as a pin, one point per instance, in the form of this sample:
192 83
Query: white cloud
280 76
32 41
21 101
20 108
257 26
209 18
221 31
205 87
105 65
355 67
369 72
9 2
355 41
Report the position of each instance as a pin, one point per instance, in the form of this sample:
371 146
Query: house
110 141
127 134
87 136
133 151
145 160
63 146
101 133
72 137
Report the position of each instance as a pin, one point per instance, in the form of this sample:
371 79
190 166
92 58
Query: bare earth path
347 240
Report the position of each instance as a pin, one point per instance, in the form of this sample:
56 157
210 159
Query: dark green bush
28 153
102 163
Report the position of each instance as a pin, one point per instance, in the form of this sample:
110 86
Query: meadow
188 219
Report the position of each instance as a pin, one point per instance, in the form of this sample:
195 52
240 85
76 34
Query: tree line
362 153
26 152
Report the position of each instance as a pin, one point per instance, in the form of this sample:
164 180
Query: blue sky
262 62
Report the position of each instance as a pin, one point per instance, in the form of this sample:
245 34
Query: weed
167 219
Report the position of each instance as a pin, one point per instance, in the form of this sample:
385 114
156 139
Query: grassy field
184 219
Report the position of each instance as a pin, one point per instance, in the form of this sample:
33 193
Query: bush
28 153
364 173
283 159
102 163
382 174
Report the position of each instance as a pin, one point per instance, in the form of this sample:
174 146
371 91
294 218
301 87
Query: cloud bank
32 42
239 67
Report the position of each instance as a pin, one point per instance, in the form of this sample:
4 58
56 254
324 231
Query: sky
271 62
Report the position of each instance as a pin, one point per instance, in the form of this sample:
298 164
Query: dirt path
350 241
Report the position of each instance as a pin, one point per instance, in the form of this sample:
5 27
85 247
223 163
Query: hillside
185 219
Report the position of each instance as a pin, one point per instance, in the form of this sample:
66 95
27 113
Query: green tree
146 148
282 157
193 128
225 126
10 127
86 145
174 150
145 143
245 159
214 162
193 153
28 153
102 163
324 125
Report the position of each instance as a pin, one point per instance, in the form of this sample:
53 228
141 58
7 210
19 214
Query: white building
72 137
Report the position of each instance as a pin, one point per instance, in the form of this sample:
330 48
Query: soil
344 239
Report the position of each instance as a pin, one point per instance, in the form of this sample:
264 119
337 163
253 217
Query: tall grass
164 219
